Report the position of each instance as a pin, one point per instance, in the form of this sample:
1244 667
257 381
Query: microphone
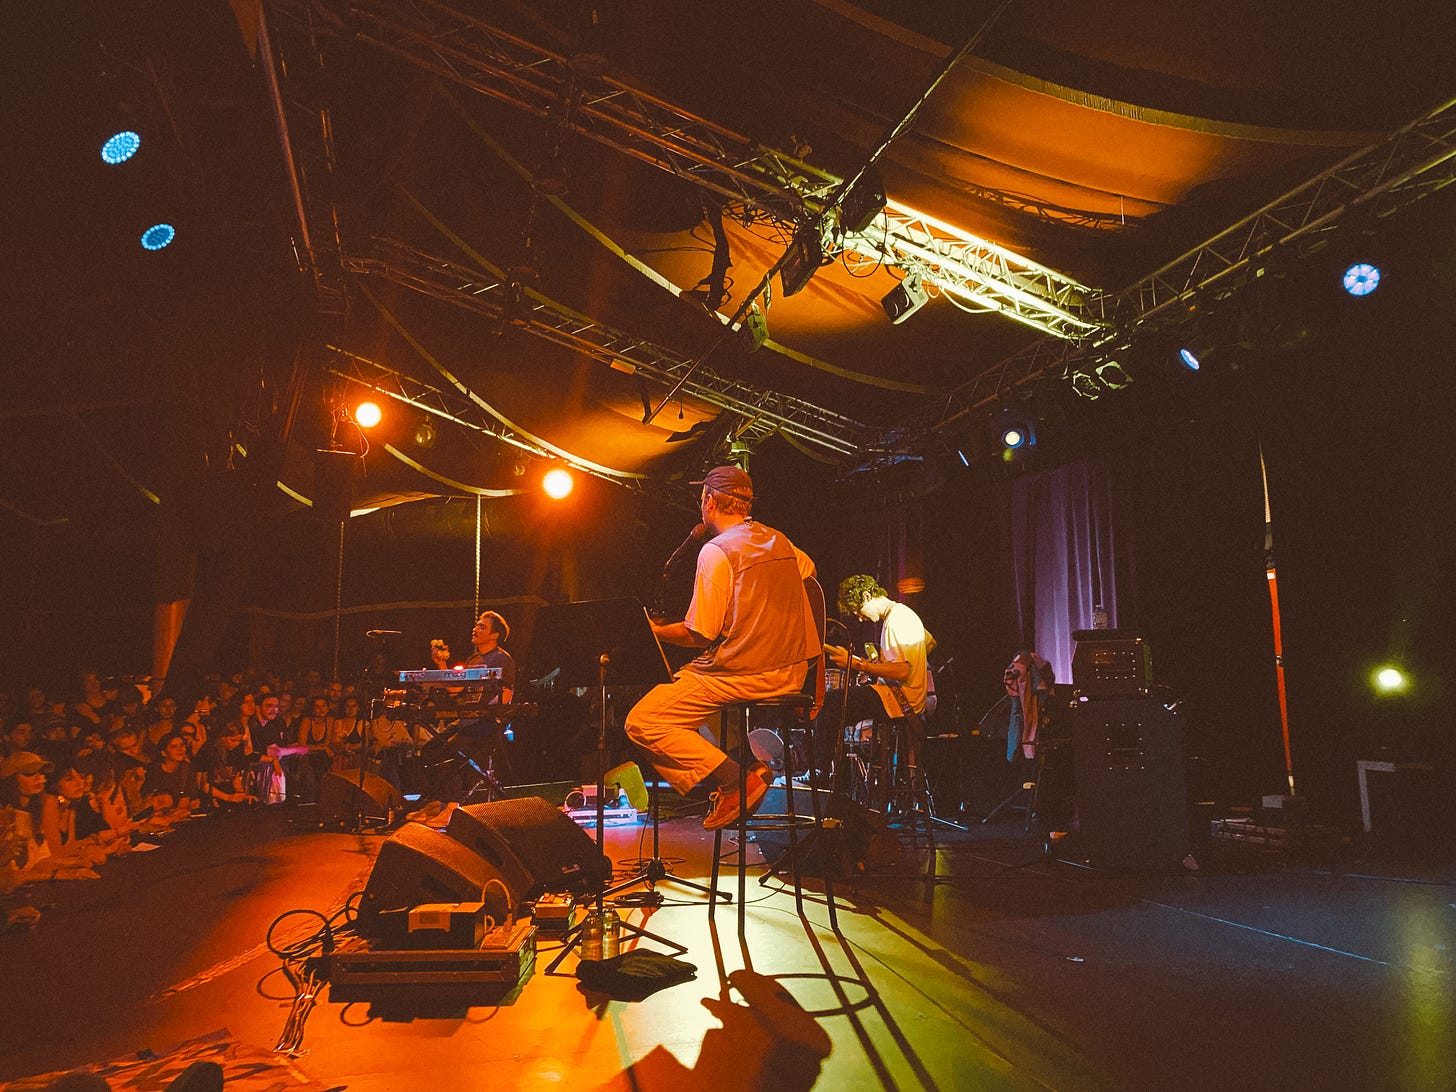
384 633
694 540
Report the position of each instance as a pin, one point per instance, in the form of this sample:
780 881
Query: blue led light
120 147
1188 360
157 236
1361 279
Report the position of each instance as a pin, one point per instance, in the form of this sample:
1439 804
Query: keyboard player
476 741
490 632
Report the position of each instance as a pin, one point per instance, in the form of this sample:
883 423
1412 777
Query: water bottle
593 928
1099 617
601 935
611 934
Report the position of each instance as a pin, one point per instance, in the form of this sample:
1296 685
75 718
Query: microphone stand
598 638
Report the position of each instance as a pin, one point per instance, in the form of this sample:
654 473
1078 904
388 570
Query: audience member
224 766
171 785
92 703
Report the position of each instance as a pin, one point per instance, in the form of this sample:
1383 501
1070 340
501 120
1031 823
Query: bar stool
905 791
804 703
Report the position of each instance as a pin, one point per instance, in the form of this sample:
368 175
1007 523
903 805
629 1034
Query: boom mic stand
601 642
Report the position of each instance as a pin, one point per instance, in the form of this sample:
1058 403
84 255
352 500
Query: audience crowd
86 776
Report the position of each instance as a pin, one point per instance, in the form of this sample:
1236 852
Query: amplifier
1108 663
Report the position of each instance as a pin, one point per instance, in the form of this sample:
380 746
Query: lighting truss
1416 160
979 271
763 412
1413 162
757 181
305 132
458 409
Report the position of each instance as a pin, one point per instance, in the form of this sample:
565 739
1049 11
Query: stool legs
790 823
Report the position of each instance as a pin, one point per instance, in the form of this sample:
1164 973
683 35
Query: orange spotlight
557 483
367 414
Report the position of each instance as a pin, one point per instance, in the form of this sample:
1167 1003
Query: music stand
599 643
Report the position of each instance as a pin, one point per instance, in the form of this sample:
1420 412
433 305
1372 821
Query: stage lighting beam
368 414
120 147
557 483
158 236
1361 278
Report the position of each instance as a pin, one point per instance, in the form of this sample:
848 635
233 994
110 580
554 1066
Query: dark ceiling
1100 141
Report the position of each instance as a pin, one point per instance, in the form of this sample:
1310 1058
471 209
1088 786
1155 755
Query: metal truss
758 182
459 409
979 271
763 412
1413 162
306 135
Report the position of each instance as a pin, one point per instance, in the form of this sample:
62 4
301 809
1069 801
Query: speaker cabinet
1132 800
419 865
534 845
341 800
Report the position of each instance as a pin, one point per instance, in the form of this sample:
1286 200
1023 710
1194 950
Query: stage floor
1011 971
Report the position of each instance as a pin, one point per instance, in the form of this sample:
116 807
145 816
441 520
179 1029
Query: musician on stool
752 618
903 647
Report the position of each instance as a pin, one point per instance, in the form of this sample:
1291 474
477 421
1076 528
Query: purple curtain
1070 549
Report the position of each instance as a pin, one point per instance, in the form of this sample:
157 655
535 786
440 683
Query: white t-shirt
902 640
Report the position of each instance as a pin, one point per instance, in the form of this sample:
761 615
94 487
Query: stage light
368 414
557 483
120 147
863 204
1013 436
905 299
424 435
805 256
1391 680
157 236
961 455
1188 359
1113 375
756 323
1361 279
1086 386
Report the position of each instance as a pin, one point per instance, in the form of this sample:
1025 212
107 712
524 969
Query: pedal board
488 975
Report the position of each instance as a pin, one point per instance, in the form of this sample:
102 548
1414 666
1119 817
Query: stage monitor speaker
419 865
342 800
536 846
865 841
1132 800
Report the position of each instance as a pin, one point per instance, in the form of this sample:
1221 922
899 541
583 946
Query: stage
1011 971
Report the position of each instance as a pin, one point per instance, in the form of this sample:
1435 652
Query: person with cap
752 620
22 788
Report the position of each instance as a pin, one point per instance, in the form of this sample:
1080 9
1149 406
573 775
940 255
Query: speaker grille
420 865
533 844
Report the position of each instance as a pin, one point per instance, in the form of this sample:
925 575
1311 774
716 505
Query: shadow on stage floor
1016 968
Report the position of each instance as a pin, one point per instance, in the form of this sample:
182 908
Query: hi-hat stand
601 643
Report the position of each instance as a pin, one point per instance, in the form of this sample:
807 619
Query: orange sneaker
726 804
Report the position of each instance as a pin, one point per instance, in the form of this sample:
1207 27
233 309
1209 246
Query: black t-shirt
490 690
180 783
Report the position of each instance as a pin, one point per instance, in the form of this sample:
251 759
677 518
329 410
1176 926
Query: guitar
872 655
